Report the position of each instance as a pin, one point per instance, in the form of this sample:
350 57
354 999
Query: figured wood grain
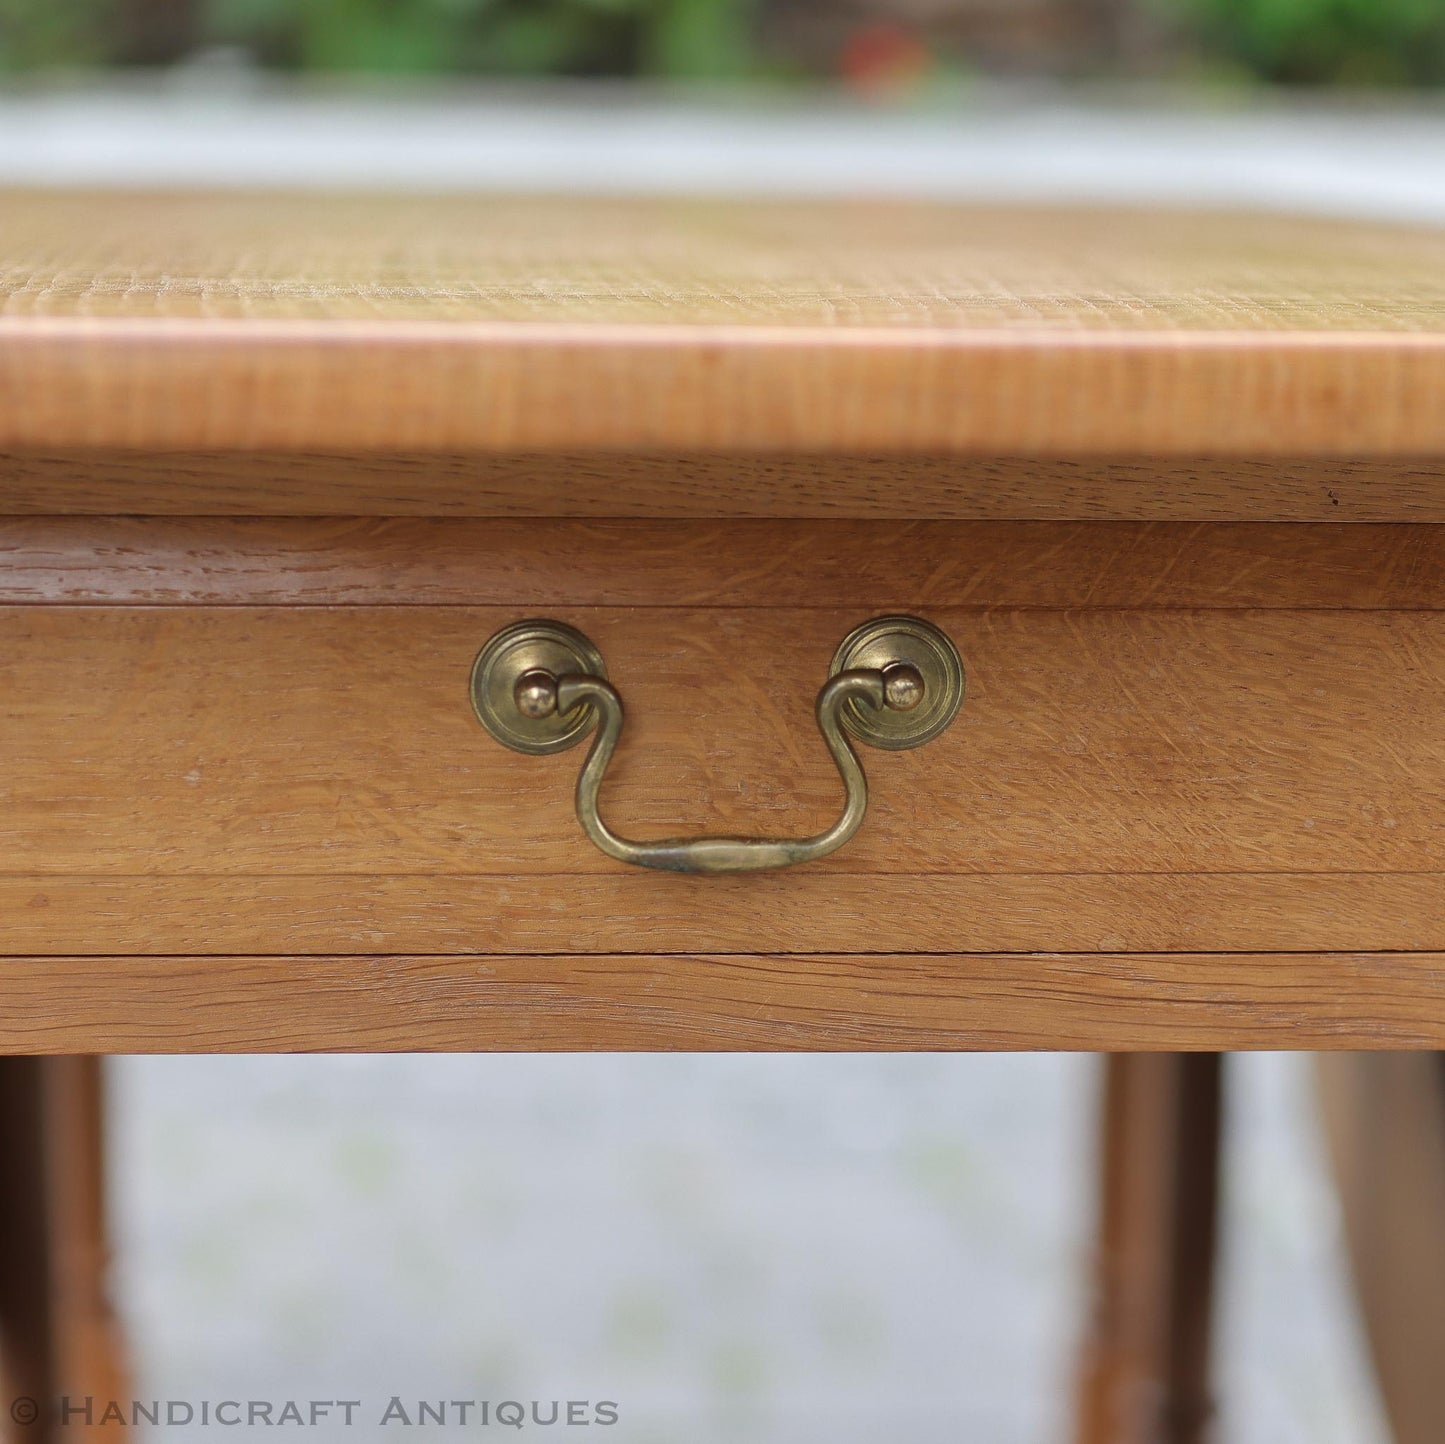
595 484
722 1003
263 741
306 322
900 566
293 256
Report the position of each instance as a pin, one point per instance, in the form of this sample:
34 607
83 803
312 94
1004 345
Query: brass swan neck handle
717 854
527 696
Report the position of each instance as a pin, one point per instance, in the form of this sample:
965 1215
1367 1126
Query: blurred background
734 1249
892 46
738 1250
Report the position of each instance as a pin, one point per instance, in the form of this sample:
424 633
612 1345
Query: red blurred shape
883 59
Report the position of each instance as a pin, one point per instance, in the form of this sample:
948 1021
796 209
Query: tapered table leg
58 1336
1145 1377
1385 1119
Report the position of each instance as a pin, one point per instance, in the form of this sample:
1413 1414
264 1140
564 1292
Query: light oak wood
1385 1120
241 321
1157 767
684 261
627 911
702 1002
1145 1376
58 1333
1292 489
203 561
1193 801
283 741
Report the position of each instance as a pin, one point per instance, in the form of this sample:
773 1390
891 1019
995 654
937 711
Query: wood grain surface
1145 1375
721 1003
769 565
695 485
286 740
302 322
1118 779
629 911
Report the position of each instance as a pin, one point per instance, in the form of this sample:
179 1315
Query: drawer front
221 739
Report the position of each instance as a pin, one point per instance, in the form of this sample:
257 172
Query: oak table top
239 321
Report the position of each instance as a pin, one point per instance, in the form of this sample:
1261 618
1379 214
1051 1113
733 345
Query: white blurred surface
211 126
738 1250
750 1249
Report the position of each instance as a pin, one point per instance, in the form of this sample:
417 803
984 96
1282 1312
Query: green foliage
522 37
698 39
668 38
43 34
1361 42
1351 42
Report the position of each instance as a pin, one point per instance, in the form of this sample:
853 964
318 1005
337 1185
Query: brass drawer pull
894 682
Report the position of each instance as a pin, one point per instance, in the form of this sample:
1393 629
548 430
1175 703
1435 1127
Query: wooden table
274 468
